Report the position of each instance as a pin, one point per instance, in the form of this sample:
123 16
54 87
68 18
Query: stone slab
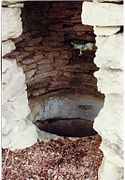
109 170
102 14
112 1
11 23
106 31
110 125
7 47
109 81
15 108
109 52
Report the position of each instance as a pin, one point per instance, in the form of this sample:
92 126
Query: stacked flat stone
107 19
47 52
17 132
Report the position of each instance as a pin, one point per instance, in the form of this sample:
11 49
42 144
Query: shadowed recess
71 127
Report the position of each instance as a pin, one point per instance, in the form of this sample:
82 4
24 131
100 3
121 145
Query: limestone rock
109 125
25 133
109 81
15 108
109 170
7 47
101 30
11 23
112 129
99 13
109 57
10 78
7 3
112 1
20 5
112 48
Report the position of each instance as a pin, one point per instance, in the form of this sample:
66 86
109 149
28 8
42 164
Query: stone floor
61 159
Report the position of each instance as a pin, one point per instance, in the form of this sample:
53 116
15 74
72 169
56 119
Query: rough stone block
20 5
11 23
7 47
15 108
101 30
109 52
102 14
109 170
112 1
109 81
110 126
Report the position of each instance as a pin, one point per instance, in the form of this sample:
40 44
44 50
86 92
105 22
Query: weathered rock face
109 58
66 115
55 50
17 132
65 106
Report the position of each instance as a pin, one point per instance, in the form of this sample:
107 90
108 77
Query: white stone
101 30
109 125
7 47
109 52
109 81
6 3
20 5
25 135
11 23
112 1
102 14
9 79
109 170
17 133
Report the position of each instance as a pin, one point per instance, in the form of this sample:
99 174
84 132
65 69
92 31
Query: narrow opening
56 53
67 127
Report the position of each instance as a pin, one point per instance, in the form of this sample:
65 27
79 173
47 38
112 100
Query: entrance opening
56 53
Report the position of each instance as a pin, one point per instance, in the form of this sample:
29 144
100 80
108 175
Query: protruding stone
105 31
109 81
109 170
109 125
20 5
11 23
102 14
109 52
111 1
15 108
7 47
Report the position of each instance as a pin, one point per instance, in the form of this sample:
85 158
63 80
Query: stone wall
107 19
48 50
17 131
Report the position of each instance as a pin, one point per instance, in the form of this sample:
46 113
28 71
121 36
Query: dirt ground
61 159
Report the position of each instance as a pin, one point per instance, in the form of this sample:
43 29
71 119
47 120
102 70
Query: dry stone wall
107 19
17 131
55 50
